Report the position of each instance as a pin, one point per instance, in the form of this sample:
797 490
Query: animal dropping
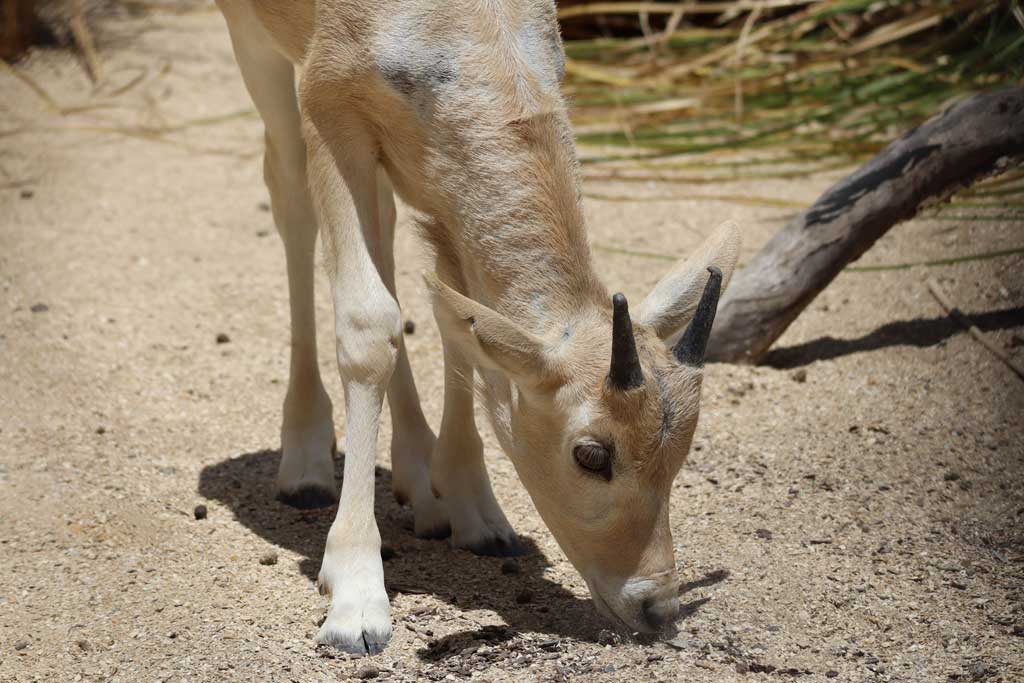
456 108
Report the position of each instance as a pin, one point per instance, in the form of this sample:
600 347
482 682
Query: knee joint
369 336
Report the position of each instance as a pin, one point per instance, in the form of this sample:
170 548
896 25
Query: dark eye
594 457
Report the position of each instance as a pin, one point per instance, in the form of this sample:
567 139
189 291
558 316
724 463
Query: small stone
524 597
800 376
39 308
831 673
410 327
28 194
268 558
101 430
84 645
763 533
387 553
172 635
606 637
200 512
264 206
742 668
951 475
966 485
21 645
262 233
367 672
510 567
1018 629
223 338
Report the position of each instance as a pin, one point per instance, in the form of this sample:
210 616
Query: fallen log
976 137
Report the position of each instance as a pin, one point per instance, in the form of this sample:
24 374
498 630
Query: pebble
763 533
800 376
951 475
21 645
410 327
367 672
200 512
28 194
264 206
39 308
606 637
831 673
84 645
387 553
509 567
223 338
268 558
979 670
523 597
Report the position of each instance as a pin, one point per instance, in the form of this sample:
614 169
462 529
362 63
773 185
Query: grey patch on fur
542 52
420 72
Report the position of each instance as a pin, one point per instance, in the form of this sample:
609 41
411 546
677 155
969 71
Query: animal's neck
522 240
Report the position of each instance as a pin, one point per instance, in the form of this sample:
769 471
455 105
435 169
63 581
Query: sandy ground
864 524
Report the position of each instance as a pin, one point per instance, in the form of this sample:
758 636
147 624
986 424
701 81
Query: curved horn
690 348
625 373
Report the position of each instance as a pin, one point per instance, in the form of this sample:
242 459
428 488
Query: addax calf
456 107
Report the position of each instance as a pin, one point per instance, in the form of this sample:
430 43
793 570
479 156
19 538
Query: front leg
368 329
458 473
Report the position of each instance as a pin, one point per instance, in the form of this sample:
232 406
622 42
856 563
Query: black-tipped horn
625 370
690 348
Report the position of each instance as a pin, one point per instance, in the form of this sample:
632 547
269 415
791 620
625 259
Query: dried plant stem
940 295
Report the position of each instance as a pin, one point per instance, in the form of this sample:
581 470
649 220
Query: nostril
661 612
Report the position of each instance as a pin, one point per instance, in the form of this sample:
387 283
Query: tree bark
974 138
17 27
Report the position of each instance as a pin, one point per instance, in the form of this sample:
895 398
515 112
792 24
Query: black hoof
308 498
498 547
436 534
370 644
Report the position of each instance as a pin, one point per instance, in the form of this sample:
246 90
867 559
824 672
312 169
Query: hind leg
306 474
412 440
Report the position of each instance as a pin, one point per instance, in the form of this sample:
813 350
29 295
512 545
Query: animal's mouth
634 628
620 623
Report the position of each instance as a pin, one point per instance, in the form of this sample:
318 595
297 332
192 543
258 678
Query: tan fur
456 106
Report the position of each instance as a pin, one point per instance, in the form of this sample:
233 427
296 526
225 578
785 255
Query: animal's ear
672 302
489 338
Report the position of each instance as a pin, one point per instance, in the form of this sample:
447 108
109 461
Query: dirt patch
860 521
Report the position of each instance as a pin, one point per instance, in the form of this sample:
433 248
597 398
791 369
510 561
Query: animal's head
601 419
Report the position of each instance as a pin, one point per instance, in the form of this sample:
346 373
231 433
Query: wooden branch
972 139
17 28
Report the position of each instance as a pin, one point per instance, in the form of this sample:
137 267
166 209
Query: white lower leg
368 330
458 472
306 474
412 440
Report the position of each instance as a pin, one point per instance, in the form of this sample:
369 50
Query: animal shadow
519 592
